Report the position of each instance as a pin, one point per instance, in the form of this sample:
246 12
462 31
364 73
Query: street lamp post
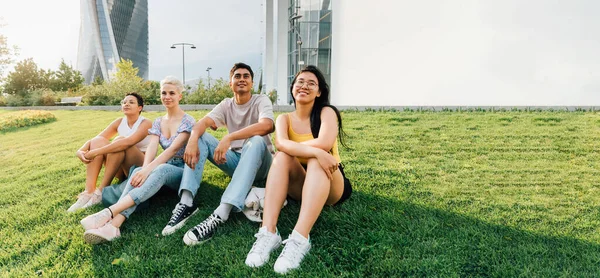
183 44
296 28
208 70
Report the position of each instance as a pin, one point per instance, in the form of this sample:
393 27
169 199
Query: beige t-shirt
236 117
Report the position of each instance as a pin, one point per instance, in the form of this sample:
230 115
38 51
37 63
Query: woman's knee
282 158
98 142
114 154
312 163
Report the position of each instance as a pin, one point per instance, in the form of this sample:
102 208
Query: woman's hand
81 155
328 163
89 155
140 177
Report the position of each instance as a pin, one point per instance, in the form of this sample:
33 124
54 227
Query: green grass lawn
435 194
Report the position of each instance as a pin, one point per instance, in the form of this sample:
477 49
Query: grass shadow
369 235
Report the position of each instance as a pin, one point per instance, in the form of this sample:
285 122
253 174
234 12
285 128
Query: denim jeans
168 174
244 168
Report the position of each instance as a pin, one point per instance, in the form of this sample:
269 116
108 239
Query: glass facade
309 36
112 30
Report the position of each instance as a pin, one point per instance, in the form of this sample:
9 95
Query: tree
7 53
25 77
125 80
66 78
126 72
97 80
218 91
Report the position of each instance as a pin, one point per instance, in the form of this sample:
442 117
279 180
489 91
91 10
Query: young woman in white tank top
127 149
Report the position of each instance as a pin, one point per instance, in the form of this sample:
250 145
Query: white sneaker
95 198
265 243
106 233
82 199
296 247
96 220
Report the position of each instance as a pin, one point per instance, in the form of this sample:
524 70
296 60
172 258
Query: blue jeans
244 168
168 174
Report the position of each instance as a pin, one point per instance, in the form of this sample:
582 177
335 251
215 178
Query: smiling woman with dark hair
126 150
307 168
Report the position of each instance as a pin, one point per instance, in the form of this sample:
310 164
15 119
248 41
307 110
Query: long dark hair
320 102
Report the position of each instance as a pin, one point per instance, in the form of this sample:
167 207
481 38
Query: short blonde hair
172 80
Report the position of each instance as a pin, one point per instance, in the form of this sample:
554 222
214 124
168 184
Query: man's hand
221 150
81 155
191 154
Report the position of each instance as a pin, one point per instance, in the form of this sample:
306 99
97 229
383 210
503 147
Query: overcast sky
224 32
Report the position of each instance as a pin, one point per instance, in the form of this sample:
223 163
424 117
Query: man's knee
203 140
255 141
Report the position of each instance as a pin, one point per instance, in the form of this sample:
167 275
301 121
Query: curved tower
111 30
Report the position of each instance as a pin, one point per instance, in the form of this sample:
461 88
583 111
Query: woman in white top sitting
126 150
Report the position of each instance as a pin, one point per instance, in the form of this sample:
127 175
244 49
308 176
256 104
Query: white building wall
269 56
281 62
436 52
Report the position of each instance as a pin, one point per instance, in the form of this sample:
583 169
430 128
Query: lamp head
172 46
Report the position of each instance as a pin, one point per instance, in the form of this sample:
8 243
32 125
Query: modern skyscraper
111 30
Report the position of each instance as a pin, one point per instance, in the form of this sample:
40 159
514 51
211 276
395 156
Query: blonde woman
126 150
171 132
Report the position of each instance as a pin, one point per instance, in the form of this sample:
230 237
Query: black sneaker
181 213
203 231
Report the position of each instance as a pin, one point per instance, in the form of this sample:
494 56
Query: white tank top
124 130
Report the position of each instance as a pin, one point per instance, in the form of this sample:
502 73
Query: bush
25 118
43 97
124 81
16 100
272 96
2 100
219 91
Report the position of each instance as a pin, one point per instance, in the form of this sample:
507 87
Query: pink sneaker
96 220
106 233
95 198
82 199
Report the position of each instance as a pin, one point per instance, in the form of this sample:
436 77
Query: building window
309 37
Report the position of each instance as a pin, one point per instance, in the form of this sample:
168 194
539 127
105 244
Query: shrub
272 96
25 118
16 100
218 91
43 97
